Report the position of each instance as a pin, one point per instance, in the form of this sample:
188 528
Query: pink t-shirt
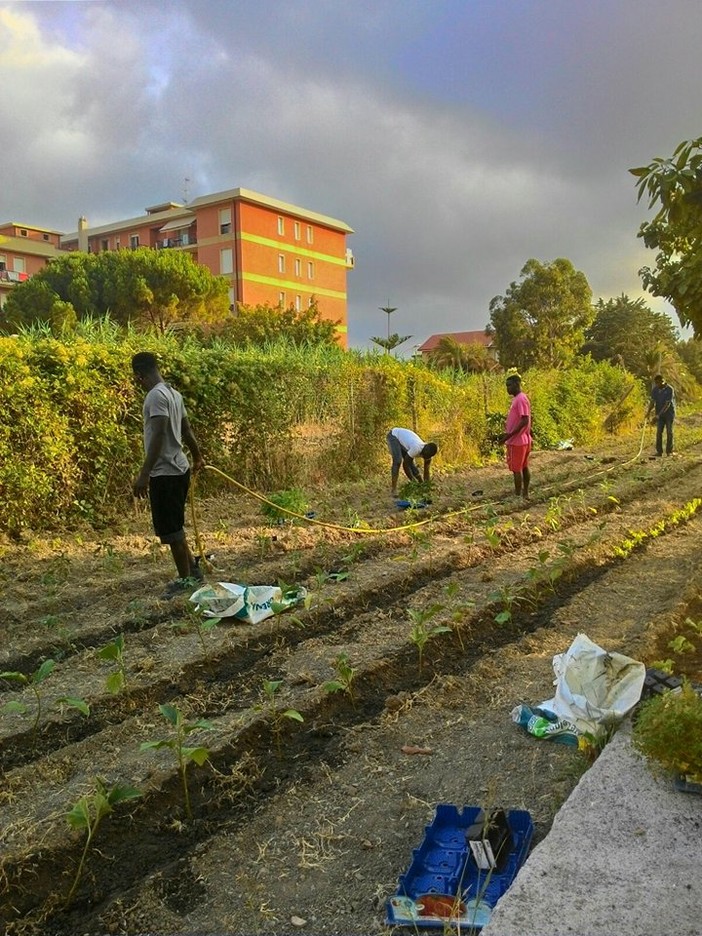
520 407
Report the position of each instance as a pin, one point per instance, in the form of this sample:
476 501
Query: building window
298 303
297 230
310 234
23 232
281 263
3 262
225 221
226 261
298 267
105 244
117 243
310 302
310 269
45 236
281 225
18 264
133 240
281 298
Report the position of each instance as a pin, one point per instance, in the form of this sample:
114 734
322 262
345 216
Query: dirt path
316 819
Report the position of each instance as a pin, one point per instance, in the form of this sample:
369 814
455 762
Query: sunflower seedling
87 814
113 652
176 744
345 675
195 620
34 680
421 631
277 716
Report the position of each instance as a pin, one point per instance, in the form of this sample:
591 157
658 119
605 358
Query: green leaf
14 677
640 171
156 745
201 723
44 670
75 703
121 792
333 686
504 617
115 682
79 816
293 714
170 713
109 652
197 754
15 707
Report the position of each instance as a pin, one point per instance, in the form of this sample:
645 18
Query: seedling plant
421 631
89 811
195 620
345 676
34 681
277 716
113 652
184 755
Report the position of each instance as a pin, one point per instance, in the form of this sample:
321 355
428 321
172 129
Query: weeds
89 811
184 754
283 503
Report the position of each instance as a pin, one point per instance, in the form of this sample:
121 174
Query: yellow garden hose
363 530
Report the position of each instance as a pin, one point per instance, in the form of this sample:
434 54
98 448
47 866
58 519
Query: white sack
594 688
252 603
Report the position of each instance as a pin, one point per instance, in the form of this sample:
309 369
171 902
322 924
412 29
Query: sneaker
179 587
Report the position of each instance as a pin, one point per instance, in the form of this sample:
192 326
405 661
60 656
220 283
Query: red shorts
518 456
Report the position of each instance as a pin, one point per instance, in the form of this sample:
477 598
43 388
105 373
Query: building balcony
350 259
10 276
176 242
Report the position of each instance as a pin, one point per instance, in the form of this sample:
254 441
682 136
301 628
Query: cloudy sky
459 138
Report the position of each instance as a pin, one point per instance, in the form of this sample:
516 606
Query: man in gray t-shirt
165 471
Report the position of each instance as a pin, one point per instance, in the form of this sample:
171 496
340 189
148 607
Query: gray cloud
457 139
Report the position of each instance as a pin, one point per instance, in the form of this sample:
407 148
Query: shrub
668 729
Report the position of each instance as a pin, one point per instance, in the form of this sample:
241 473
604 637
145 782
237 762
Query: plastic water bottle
542 724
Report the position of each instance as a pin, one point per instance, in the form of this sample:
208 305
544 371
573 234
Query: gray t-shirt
163 400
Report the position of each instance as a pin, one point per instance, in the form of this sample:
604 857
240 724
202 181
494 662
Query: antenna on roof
186 190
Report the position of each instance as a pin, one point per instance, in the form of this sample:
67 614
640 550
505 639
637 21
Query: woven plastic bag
251 603
594 689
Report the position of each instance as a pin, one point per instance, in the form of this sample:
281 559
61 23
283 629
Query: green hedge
70 437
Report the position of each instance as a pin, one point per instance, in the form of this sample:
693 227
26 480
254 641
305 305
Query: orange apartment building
271 252
24 250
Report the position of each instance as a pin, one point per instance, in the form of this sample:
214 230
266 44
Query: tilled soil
306 825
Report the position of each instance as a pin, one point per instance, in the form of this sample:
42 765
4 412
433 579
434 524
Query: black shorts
168 494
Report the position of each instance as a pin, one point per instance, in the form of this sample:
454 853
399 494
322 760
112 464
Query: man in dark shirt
663 401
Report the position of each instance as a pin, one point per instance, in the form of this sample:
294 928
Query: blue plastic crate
444 873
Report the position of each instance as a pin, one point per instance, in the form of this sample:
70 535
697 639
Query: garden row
254 706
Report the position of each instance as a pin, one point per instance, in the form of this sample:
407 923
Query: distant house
24 250
465 338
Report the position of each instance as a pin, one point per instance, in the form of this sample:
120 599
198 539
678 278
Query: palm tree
470 358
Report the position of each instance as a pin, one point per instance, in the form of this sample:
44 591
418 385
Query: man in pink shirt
517 436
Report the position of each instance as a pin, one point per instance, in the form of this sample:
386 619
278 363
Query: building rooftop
464 337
